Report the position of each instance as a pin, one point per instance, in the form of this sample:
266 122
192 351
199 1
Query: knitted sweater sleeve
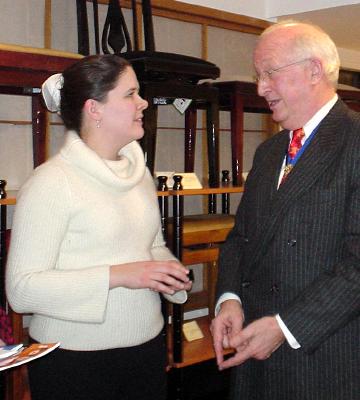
34 283
162 253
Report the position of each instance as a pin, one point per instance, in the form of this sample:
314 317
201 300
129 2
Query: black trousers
133 373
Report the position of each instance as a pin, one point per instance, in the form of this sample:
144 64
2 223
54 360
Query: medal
288 169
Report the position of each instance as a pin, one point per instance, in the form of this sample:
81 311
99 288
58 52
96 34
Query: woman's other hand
161 276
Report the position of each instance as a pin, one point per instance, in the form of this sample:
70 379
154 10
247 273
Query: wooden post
178 212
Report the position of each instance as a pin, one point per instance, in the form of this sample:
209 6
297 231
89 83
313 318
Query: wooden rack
188 353
22 72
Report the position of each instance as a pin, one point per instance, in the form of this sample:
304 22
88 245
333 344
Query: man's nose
262 87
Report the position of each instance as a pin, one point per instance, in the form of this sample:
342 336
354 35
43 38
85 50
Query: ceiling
341 23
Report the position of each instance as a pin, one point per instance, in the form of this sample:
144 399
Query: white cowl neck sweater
77 215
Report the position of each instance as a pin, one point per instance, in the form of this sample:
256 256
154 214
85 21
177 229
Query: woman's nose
143 104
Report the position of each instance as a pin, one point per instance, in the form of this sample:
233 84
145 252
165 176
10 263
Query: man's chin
277 118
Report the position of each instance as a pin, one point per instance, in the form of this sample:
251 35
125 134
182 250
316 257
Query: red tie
295 146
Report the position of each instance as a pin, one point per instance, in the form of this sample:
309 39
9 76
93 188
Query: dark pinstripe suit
296 251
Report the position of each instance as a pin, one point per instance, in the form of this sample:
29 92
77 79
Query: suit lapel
313 163
271 168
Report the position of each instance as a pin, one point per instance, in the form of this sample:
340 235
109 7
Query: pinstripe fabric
296 251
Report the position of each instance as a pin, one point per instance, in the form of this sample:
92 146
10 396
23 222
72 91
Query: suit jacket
296 251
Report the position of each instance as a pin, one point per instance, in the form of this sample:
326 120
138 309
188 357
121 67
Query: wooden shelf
200 256
228 188
199 350
11 194
10 199
207 190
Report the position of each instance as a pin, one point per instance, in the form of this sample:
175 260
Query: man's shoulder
354 117
350 120
342 111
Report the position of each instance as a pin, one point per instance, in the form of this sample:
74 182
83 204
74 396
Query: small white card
192 331
182 104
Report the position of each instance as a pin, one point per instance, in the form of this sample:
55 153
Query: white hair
313 42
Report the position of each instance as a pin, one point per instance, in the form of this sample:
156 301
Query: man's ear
93 109
317 70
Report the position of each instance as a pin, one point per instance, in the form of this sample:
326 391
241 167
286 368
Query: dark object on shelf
225 197
163 205
2 189
178 215
83 28
350 78
3 245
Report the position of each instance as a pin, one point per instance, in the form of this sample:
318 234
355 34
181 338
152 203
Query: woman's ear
92 108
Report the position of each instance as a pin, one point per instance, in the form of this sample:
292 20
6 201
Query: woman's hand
161 276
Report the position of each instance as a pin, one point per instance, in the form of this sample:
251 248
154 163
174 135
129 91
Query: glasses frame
268 74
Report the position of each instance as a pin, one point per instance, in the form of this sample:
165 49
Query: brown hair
92 77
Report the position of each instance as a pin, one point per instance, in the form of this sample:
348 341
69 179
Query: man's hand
258 340
225 326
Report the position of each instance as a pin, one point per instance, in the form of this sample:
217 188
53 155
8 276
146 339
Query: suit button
246 240
274 289
291 242
245 284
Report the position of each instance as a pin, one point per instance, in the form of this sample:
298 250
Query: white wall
276 8
22 22
243 7
350 59
269 9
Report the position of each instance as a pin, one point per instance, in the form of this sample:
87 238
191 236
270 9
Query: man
289 279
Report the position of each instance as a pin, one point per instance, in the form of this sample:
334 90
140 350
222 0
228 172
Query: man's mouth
273 103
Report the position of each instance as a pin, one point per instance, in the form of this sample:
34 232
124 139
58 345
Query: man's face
284 80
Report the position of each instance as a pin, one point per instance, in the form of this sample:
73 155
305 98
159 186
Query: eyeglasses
269 74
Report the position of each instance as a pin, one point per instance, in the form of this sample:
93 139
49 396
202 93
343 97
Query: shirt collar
318 117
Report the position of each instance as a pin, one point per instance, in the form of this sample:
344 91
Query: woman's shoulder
47 179
51 170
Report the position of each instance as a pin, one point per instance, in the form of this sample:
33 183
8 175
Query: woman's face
122 111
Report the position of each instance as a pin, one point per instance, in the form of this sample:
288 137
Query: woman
87 256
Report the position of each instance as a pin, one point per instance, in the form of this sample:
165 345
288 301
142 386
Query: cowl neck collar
122 174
